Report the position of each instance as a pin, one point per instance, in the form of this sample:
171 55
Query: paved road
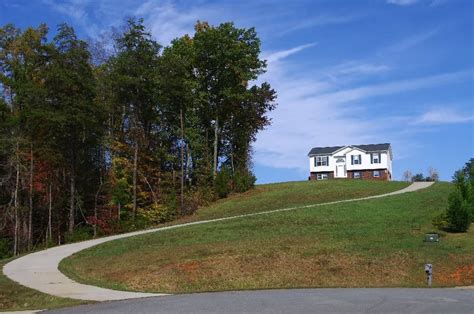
39 270
295 301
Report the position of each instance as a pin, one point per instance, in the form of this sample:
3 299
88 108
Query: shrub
4 248
192 200
458 213
244 181
441 221
418 177
126 225
222 183
81 233
158 213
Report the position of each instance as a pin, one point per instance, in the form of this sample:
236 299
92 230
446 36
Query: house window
356 175
321 161
356 159
376 174
375 158
322 176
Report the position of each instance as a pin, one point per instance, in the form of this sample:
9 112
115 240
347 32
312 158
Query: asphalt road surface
387 300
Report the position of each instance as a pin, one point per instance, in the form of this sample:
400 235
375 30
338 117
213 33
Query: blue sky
346 72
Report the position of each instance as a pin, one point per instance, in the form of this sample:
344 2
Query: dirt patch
461 276
278 270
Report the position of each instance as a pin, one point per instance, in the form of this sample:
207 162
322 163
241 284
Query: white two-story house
372 161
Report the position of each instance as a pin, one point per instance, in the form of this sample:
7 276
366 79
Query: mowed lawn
372 243
264 197
289 194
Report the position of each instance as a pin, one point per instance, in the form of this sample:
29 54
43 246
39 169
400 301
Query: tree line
104 137
433 175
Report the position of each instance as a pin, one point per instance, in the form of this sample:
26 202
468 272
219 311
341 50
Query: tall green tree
178 86
133 72
77 123
460 211
227 59
23 57
248 118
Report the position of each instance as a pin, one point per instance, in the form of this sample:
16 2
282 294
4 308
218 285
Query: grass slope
15 297
289 194
370 243
264 197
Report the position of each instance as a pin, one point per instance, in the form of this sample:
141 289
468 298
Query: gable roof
367 147
324 150
373 147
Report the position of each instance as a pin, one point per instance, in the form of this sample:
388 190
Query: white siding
366 164
313 168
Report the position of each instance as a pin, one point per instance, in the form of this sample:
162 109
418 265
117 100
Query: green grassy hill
289 194
370 243
264 197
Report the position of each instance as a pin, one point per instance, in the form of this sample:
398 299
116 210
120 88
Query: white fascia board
356 149
341 149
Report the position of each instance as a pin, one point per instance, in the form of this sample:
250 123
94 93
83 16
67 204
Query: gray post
429 273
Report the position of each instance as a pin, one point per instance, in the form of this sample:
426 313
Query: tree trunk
182 160
16 204
232 162
216 131
30 214
186 167
50 207
208 153
155 199
118 212
24 232
95 207
135 166
72 202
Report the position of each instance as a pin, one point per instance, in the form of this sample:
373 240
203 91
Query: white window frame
374 172
376 158
322 176
321 161
357 160
356 175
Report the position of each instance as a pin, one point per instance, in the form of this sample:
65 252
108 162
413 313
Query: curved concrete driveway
40 270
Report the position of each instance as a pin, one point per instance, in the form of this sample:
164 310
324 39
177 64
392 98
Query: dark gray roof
366 147
374 147
324 150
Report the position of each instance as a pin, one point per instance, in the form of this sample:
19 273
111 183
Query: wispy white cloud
164 19
357 93
444 116
353 67
76 9
166 22
351 71
321 20
411 41
279 55
432 3
402 2
436 3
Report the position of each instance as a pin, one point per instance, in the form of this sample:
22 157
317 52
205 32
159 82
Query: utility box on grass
431 237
